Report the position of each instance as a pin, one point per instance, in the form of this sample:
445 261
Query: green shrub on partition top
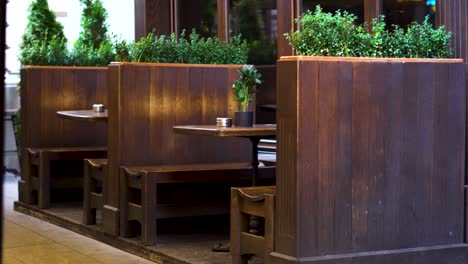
192 49
94 46
43 42
327 34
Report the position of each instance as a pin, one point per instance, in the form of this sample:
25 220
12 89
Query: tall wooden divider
146 100
46 90
370 161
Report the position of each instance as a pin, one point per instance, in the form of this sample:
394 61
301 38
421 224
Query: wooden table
254 133
84 115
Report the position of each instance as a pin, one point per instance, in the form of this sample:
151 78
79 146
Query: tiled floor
29 240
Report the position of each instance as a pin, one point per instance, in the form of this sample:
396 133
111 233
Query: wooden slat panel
343 152
307 116
326 160
286 136
379 82
392 153
150 99
360 156
402 182
46 90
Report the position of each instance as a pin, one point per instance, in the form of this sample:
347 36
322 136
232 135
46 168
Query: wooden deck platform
182 245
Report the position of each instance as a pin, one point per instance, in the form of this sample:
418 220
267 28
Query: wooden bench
95 171
60 168
247 202
144 201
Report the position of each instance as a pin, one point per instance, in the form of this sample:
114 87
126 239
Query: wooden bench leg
24 185
148 200
44 181
269 227
89 217
124 232
239 223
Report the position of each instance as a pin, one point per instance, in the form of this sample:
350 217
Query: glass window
402 13
200 15
355 7
257 21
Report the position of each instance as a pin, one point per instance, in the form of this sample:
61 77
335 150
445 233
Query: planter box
47 89
146 100
370 161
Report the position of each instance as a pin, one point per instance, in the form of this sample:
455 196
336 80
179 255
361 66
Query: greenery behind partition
327 34
43 42
94 46
182 49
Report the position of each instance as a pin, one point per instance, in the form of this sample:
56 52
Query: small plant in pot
244 90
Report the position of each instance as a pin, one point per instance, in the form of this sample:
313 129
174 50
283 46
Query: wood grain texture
145 102
370 158
454 15
46 90
152 15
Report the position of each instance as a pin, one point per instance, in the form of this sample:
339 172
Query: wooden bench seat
95 171
245 203
57 168
189 190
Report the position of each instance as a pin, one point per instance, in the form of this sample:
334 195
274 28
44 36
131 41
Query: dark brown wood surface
370 159
46 90
84 115
145 102
453 14
152 15
210 130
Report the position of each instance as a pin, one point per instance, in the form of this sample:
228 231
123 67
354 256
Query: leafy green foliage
326 34
93 47
194 49
43 42
244 87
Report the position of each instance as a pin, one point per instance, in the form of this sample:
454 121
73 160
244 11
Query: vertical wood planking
327 148
343 152
47 90
308 135
392 153
156 112
456 139
286 178
405 133
440 155
380 82
360 154
409 187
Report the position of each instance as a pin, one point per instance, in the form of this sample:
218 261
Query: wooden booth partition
146 100
370 161
46 90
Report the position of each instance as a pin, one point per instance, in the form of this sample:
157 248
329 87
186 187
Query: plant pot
243 119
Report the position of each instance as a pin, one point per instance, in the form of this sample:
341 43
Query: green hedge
327 34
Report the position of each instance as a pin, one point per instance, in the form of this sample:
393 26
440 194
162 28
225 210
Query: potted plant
371 135
244 90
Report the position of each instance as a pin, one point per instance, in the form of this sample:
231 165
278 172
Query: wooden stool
93 197
247 202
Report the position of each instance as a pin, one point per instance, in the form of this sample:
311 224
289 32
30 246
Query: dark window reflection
355 7
402 13
257 21
200 15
